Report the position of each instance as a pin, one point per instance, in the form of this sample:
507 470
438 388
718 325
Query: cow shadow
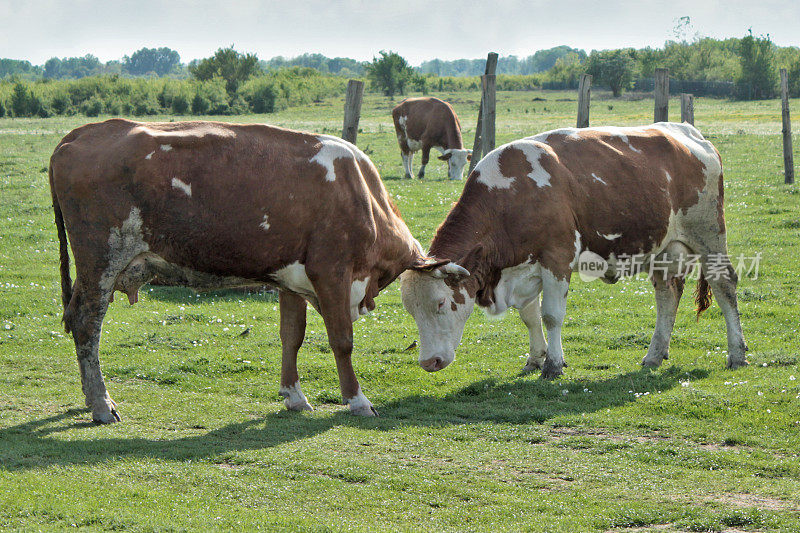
188 295
36 444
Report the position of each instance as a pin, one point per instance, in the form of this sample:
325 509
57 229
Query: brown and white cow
425 123
532 207
213 204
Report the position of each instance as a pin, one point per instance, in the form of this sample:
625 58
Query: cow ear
451 271
445 157
427 264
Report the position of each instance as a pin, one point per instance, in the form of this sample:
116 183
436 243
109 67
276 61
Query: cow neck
468 238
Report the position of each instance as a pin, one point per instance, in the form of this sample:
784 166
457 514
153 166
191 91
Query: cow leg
554 310
426 154
84 317
723 286
293 329
531 315
408 161
334 304
668 295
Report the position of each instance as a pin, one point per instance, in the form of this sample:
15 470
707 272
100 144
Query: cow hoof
550 371
364 410
409 176
420 176
104 411
360 406
653 361
734 364
531 367
294 399
297 405
107 416
533 363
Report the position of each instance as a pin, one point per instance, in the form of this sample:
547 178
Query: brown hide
598 185
238 174
429 121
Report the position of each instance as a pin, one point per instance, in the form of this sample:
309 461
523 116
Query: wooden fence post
352 110
584 95
661 94
687 108
489 85
491 66
788 157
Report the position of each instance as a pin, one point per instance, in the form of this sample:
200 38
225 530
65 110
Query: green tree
390 73
160 61
759 77
228 64
21 101
613 68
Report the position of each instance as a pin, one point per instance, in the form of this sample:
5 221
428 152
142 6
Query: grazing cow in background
214 204
531 208
425 123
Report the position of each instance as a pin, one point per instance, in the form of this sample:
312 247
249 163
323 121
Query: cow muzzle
435 363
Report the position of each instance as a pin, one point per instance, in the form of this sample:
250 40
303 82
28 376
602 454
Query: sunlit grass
205 442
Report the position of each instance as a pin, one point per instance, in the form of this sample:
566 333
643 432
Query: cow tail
702 295
63 246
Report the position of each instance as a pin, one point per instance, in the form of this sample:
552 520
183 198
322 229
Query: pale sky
39 29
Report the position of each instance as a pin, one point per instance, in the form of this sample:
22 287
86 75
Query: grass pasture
205 443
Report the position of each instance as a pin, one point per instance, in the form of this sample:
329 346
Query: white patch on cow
294 278
533 153
358 289
264 223
692 139
517 287
489 166
124 243
402 121
334 148
413 145
489 170
150 155
167 148
360 405
610 236
578 248
440 319
571 133
294 399
598 178
669 178
182 186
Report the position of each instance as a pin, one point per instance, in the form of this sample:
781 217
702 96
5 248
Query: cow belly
146 266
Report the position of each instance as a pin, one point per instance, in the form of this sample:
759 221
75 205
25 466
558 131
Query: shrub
144 102
61 104
180 104
200 104
92 107
2 109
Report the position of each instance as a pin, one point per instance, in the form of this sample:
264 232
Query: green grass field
205 443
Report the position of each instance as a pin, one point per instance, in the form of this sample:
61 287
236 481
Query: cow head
440 307
456 160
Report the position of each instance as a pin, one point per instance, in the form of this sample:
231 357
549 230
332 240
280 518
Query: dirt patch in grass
652 527
751 500
559 433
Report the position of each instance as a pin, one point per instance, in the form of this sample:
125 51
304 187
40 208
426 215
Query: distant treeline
153 81
166 62
539 62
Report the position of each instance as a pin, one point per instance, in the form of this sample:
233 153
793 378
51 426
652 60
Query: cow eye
440 308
